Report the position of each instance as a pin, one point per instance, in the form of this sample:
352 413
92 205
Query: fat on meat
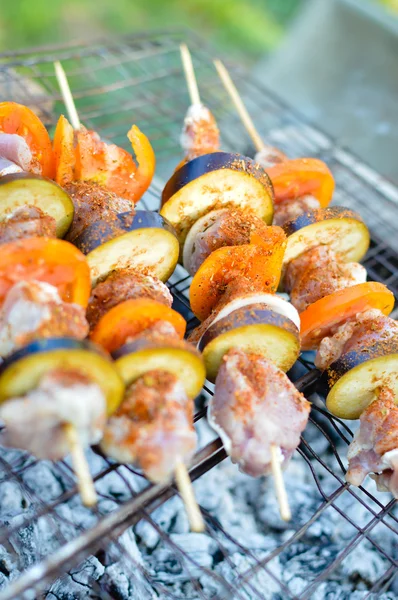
27 221
254 406
35 422
33 310
374 449
153 427
290 209
200 133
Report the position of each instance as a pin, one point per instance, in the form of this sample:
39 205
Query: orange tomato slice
130 318
296 177
320 317
260 263
45 259
18 119
64 152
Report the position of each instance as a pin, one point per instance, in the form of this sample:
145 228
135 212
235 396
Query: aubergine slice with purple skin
342 229
22 370
141 240
254 329
215 181
18 190
174 356
352 382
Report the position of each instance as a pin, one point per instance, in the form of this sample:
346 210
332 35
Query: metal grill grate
140 80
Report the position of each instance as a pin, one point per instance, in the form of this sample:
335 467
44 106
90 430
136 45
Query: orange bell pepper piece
46 259
132 317
259 262
300 176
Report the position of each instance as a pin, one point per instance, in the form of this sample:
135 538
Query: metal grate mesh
140 80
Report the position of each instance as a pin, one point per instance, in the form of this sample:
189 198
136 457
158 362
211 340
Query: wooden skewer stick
280 489
67 95
80 466
240 107
190 74
185 488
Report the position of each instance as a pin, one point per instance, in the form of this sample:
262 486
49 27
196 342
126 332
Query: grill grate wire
139 79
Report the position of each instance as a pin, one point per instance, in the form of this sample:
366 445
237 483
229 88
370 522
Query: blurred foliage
241 26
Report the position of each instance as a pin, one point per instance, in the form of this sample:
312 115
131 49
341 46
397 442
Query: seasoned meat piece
153 427
159 331
255 406
269 157
200 133
33 310
34 422
14 148
28 221
317 273
374 448
7 167
366 329
290 209
121 285
224 228
92 203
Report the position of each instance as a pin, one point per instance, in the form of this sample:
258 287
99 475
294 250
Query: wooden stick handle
67 95
185 488
240 107
280 489
190 74
84 479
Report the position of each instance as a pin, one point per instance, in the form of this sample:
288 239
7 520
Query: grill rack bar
358 186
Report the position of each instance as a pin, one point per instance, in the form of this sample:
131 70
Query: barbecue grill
136 543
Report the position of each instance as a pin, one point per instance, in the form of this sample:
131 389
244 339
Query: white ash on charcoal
141 565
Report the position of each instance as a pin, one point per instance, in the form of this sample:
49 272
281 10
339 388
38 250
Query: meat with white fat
269 156
35 422
200 133
374 448
27 221
255 406
318 273
34 309
153 427
14 148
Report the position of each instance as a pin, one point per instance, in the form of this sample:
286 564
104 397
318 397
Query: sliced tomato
325 315
19 119
259 263
300 176
64 152
43 259
132 317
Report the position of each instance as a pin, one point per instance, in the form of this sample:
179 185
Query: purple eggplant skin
213 162
320 214
243 317
351 359
102 231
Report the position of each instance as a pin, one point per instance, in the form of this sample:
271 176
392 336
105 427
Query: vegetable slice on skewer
226 265
327 313
214 181
45 259
20 190
131 318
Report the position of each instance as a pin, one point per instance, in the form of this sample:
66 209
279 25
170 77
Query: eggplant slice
214 181
252 329
18 190
351 383
22 371
175 356
339 228
142 240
